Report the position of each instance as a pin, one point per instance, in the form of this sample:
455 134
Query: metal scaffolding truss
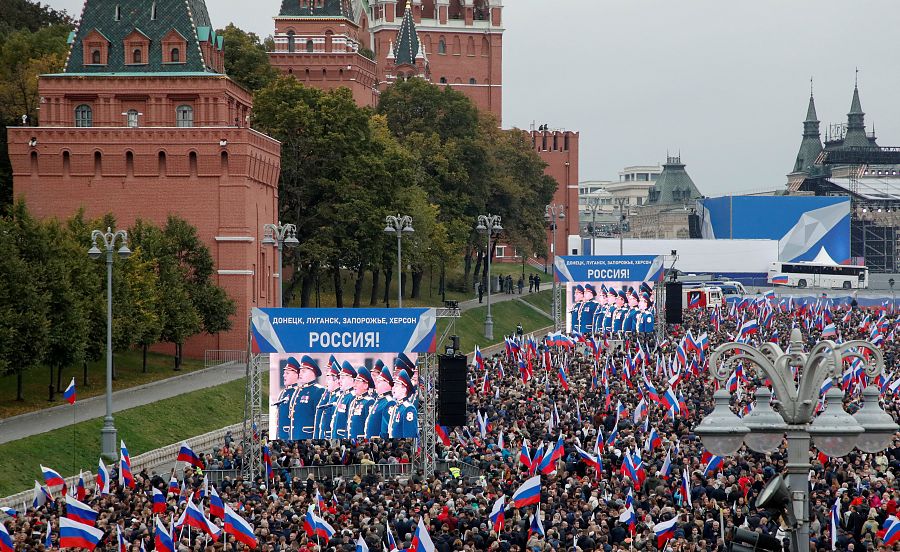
252 465
428 366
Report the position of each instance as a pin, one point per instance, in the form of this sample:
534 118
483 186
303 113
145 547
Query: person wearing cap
379 415
342 405
362 402
647 318
290 374
325 410
577 299
405 416
306 400
611 298
599 310
630 323
587 309
618 318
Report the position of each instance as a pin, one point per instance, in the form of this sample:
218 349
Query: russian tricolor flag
125 476
498 514
102 478
159 502
238 527
528 493
525 454
588 458
421 541
78 535
186 454
216 505
174 487
664 531
891 531
163 538
6 543
69 393
77 510
713 464
194 517
53 479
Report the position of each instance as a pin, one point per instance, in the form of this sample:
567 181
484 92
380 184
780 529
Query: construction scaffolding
252 434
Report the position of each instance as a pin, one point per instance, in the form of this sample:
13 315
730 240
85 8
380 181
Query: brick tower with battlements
143 123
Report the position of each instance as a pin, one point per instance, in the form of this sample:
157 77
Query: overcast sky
726 83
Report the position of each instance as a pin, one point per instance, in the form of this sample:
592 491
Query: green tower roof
328 8
856 125
811 146
673 185
407 47
154 19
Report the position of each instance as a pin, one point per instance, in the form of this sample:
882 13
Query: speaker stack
452 389
673 303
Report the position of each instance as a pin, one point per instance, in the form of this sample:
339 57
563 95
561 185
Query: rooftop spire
811 146
407 40
856 121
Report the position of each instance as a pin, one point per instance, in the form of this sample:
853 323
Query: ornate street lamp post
554 213
108 240
399 224
280 236
793 413
488 224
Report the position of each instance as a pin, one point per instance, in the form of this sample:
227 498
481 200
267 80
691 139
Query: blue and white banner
609 268
343 330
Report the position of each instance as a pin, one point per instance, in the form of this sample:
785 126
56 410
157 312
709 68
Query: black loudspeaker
452 388
673 303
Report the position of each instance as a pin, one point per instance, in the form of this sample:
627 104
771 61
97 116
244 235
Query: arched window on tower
442 46
136 56
470 46
96 58
473 81
290 41
132 118
328 35
175 55
310 46
457 46
485 46
84 116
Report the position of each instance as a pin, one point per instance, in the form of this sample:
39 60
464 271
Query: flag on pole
536 525
391 543
361 545
193 517
40 497
102 478
528 493
163 538
421 541
664 531
80 490
238 527
498 514
48 539
6 543
125 476
69 393
186 454
835 522
78 535
80 512
159 502
53 479
121 545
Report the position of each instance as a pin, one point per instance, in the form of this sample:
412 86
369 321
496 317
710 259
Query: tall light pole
622 202
398 225
553 213
108 239
280 236
488 224
835 431
593 205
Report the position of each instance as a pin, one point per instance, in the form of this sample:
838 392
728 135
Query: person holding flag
498 514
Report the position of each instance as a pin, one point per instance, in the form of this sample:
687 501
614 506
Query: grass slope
143 429
470 326
128 374
542 300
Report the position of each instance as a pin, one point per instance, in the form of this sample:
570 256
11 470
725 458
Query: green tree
24 305
24 14
24 55
137 318
246 60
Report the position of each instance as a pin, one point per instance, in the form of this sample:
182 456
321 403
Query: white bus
804 274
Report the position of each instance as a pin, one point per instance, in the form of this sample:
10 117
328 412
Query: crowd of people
623 459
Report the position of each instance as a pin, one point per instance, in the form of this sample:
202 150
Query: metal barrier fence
217 357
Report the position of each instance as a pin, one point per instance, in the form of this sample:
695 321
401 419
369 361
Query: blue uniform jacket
379 417
303 411
339 420
359 413
283 429
405 421
324 413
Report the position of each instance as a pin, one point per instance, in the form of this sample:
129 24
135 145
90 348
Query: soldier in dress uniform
325 410
345 396
618 318
588 307
379 413
575 313
361 404
305 400
611 298
405 418
289 377
599 311
647 319
631 317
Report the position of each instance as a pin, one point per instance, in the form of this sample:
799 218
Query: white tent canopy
824 258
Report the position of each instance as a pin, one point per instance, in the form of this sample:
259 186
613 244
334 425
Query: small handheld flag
125 476
78 535
186 454
498 514
69 393
163 538
102 478
6 543
239 528
528 493
80 512
159 502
